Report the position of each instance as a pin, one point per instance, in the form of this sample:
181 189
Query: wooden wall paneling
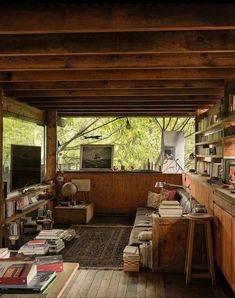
121 192
1 169
51 144
233 256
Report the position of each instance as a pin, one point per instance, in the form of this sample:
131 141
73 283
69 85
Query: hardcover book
19 273
39 283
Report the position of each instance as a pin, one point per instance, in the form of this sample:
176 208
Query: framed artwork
229 168
96 157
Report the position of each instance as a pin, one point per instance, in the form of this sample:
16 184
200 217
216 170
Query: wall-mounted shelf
27 210
212 156
209 143
212 128
17 194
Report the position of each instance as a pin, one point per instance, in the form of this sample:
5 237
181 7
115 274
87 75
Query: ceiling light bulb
128 125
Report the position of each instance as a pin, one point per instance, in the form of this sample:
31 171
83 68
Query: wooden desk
81 213
57 287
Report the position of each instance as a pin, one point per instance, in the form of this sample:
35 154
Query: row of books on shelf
19 205
28 275
210 150
207 121
215 136
211 169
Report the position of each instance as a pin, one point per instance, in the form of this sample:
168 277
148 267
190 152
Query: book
36 242
50 263
39 283
19 273
170 203
131 250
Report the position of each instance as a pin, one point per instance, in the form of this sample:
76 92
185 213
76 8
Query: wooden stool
203 219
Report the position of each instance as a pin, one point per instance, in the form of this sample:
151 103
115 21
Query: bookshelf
215 142
19 204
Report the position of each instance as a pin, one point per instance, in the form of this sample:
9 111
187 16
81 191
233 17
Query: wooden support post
51 143
1 168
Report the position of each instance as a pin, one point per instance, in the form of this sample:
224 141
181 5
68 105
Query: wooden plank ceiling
127 60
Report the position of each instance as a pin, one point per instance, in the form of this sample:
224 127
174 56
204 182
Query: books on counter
49 263
34 248
16 273
51 234
39 283
170 209
4 253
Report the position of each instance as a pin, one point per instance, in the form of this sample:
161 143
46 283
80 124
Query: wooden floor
116 283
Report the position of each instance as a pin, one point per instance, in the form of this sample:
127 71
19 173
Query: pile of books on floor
131 258
146 254
56 245
20 277
35 247
170 209
4 253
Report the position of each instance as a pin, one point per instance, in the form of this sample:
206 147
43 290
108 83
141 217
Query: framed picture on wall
229 168
96 157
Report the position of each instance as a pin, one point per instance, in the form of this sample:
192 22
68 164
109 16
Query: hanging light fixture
128 125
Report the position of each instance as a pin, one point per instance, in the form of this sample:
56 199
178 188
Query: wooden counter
221 203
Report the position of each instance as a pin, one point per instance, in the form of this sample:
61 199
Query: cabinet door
226 238
233 255
218 225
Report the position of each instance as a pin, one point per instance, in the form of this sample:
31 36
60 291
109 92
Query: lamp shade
159 184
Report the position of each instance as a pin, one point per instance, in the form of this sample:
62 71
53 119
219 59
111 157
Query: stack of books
51 234
131 258
4 253
56 245
23 278
49 263
170 209
35 247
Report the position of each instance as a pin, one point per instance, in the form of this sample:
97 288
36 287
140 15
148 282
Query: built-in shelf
209 142
212 156
17 194
27 210
212 128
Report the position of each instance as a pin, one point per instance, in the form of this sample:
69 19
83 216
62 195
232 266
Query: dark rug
98 246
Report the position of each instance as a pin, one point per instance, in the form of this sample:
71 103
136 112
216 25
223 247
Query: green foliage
133 146
17 131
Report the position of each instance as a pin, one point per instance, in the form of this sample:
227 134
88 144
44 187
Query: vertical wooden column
1 168
51 144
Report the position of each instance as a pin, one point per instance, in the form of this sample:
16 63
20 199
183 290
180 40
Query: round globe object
69 189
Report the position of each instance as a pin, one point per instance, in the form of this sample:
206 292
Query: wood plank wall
120 192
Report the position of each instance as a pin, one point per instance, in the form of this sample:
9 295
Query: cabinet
82 214
224 243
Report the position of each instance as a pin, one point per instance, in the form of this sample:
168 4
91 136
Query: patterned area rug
98 246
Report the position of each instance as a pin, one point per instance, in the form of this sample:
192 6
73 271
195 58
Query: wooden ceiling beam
97 75
113 18
112 43
118 61
200 98
120 92
106 85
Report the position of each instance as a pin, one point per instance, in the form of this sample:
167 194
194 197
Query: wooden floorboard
145 284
